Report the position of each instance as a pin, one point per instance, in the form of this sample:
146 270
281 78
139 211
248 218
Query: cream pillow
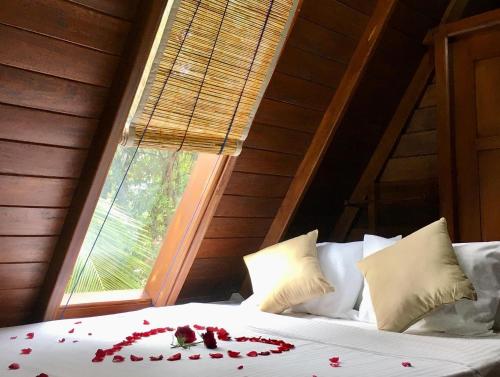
287 273
415 276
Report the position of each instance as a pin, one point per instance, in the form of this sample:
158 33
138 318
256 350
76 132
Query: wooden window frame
180 245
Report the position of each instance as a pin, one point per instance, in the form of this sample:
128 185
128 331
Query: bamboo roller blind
211 66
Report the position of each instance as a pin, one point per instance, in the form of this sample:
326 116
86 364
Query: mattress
361 349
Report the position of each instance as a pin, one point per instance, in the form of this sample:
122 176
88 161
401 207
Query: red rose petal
13 337
233 354
169 328
334 359
14 366
62 340
175 357
75 341
30 335
26 351
335 365
156 358
194 357
145 322
97 359
136 358
406 364
240 367
252 354
118 359
43 375
276 351
71 331
89 334
198 327
222 334
216 355
78 322
264 353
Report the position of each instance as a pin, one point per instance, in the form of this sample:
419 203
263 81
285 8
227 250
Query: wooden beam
332 118
101 154
391 135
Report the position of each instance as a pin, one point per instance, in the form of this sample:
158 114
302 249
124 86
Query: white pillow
371 244
338 263
481 263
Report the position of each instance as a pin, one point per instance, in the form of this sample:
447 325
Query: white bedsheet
363 350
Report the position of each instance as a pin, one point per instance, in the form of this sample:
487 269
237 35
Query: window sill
102 303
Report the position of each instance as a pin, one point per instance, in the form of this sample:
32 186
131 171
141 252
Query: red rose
209 340
185 335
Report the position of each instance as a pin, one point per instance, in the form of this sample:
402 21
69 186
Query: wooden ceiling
64 65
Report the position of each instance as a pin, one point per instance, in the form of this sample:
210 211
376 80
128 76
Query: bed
66 348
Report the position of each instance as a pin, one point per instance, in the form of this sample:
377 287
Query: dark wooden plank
429 97
246 206
416 144
43 127
277 139
231 227
412 22
431 8
38 53
228 247
414 190
364 6
17 300
43 92
39 160
423 120
335 16
308 66
26 249
14 318
268 186
265 162
299 92
125 9
323 42
332 118
407 168
22 275
106 138
385 146
66 21
288 116
36 192
16 221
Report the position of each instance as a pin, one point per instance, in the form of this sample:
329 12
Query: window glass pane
126 248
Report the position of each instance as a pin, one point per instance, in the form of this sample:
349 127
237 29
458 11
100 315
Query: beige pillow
287 273
415 276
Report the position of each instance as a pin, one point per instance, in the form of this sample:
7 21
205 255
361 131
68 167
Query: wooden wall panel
57 62
372 108
306 77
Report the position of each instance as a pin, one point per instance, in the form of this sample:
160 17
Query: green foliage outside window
126 249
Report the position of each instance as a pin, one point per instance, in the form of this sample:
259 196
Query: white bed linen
363 351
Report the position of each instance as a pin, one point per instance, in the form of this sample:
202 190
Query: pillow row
324 280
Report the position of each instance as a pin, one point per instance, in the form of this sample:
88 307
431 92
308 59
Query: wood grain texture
308 66
39 53
43 127
423 120
285 115
265 162
26 249
278 139
407 168
298 92
125 9
22 275
228 247
232 227
36 90
248 184
416 144
36 192
321 41
17 221
66 21
30 159
246 206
